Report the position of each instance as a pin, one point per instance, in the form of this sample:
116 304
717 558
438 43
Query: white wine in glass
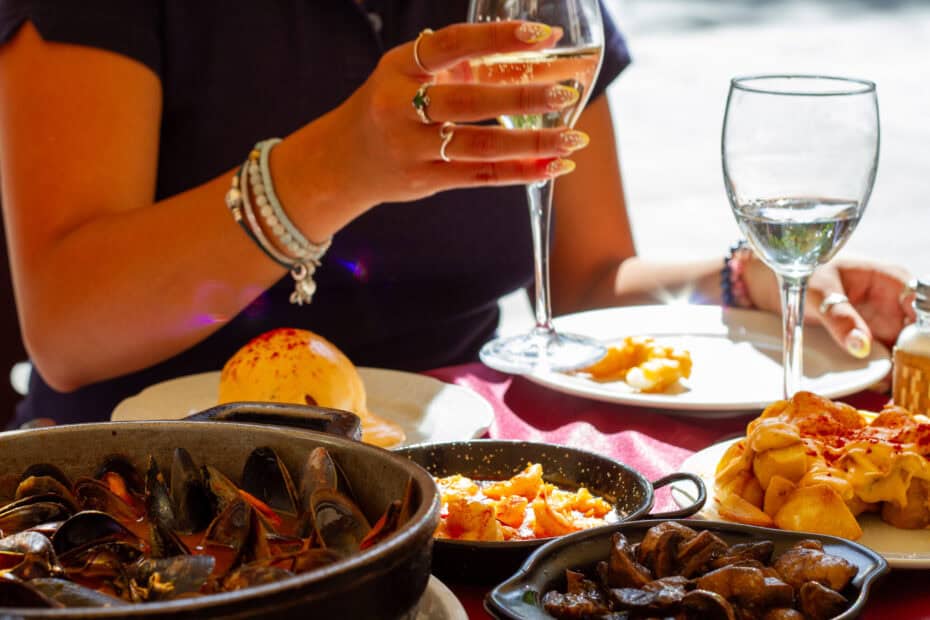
800 154
574 61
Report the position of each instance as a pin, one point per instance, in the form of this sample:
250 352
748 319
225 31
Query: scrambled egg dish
812 464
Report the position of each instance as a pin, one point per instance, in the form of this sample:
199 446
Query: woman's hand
398 155
878 307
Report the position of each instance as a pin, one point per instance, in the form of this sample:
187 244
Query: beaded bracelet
236 200
292 250
732 284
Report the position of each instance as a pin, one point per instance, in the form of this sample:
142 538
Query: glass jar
911 378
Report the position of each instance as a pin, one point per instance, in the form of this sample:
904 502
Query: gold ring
416 50
421 102
446 132
831 300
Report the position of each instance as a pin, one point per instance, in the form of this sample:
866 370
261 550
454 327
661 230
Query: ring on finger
910 287
831 300
446 132
416 50
421 102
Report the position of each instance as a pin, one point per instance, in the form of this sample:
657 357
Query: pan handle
687 511
320 419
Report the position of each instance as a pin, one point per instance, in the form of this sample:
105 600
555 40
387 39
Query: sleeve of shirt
131 28
616 55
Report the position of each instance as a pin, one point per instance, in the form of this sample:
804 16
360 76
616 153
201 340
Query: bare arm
109 281
594 262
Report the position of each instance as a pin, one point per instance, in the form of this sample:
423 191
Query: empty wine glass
800 154
574 61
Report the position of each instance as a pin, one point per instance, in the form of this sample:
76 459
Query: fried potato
790 463
732 507
777 494
820 509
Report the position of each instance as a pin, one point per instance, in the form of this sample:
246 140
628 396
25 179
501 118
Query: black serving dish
384 581
520 597
485 459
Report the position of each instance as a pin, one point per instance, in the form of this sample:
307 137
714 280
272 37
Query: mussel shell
71 594
46 485
94 494
253 575
122 466
158 504
17 593
91 528
221 488
31 511
36 555
193 509
47 469
168 578
231 527
266 477
338 522
319 472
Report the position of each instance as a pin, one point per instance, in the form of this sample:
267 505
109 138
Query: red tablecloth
651 441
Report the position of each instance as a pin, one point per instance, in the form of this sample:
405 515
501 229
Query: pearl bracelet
290 249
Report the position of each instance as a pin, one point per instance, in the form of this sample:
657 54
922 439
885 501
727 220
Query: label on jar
911 386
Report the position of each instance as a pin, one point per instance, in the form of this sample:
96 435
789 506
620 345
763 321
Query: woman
123 124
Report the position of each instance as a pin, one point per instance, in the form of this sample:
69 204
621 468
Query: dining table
655 442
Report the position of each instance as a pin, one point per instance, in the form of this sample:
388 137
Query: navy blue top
410 286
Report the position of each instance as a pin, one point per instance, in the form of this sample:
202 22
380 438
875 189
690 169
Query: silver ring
421 102
831 300
416 50
446 132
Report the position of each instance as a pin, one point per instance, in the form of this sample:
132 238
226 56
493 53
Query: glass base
541 350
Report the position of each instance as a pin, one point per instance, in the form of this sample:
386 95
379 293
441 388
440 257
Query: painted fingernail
858 344
532 32
558 96
574 139
558 167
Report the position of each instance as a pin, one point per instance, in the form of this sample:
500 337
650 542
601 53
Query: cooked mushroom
800 564
695 554
573 605
707 606
760 551
622 570
659 548
747 585
819 602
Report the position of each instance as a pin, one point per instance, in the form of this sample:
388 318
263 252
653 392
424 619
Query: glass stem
793 291
539 198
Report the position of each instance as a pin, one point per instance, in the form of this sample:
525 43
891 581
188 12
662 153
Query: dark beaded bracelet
732 286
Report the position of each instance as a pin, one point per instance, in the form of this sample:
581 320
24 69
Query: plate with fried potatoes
901 548
734 357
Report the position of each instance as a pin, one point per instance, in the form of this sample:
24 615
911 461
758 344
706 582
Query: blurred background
668 109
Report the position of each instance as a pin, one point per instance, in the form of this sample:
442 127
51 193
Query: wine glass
574 61
800 154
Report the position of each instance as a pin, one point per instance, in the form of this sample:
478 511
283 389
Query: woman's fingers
842 321
511 172
472 143
470 102
447 47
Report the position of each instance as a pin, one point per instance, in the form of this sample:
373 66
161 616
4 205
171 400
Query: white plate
427 409
438 603
901 548
736 355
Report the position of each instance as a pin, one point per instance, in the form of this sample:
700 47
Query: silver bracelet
287 234
297 254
